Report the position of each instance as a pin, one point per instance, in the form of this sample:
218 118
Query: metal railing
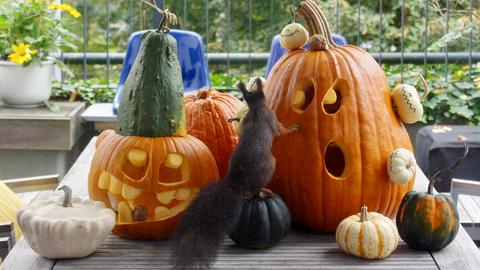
251 58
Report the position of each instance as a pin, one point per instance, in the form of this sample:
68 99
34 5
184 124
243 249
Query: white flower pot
26 86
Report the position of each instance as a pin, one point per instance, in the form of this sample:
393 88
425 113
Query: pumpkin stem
67 199
203 93
363 213
317 24
434 178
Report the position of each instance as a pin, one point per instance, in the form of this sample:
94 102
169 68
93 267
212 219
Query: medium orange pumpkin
149 170
208 112
336 163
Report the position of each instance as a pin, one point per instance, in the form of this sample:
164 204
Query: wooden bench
466 194
300 250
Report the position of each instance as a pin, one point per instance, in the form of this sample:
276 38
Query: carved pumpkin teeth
161 212
137 158
166 197
104 180
130 193
124 212
174 161
115 186
113 202
183 194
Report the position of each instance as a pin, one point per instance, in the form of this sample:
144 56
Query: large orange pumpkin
336 163
149 170
208 112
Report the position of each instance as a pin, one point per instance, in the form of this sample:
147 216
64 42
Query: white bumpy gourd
59 228
401 166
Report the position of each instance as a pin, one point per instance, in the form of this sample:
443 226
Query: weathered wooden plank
77 176
471 208
46 182
465 219
300 250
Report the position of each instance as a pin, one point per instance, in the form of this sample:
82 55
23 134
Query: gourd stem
434 178
292 14
425 84
316 21
67 199
363 213
167 16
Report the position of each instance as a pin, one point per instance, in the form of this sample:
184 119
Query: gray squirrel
217 208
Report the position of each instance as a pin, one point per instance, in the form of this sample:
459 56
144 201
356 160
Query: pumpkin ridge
366 152
221 131
354 96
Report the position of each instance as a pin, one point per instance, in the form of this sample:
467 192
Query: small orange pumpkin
208 113
336 163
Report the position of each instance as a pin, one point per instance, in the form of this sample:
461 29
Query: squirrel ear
241 86
259 84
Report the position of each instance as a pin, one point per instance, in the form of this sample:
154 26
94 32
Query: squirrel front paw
293 128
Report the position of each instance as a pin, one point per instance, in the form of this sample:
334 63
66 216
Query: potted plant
29 32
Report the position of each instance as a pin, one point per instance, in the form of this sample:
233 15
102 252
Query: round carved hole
302 96
335 162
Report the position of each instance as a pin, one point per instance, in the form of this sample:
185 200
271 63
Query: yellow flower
65 7
21 53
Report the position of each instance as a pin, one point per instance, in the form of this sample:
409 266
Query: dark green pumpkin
152 103
427 221
264 222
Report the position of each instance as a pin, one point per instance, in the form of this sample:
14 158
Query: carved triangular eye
332 101
302 96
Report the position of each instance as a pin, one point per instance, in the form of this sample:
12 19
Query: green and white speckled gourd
152 105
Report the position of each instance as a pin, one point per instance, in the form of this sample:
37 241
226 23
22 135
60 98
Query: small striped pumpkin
427 221
208 112
367 235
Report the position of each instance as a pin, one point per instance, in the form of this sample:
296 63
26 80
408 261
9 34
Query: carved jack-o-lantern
337 161
150 170
148 181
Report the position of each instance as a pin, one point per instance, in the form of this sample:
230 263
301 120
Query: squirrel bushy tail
201 230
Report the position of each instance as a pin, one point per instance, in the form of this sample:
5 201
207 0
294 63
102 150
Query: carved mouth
130 207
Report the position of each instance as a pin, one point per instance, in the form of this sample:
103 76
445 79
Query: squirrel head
255 95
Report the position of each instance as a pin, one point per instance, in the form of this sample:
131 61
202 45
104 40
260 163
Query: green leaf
462 111
51 106
29 39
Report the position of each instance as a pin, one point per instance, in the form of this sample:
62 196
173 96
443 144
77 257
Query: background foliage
446 103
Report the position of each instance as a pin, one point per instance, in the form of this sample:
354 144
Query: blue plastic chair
277 51
191 55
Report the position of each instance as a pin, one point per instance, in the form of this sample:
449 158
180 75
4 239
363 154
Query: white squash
407 103
65 227
367 235
294 35
401 166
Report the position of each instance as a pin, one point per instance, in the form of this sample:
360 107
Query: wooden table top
299 250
